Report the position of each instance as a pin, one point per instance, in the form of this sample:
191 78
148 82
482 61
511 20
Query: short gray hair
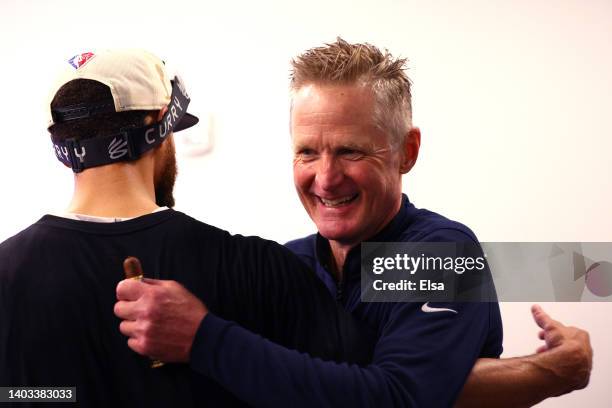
347 64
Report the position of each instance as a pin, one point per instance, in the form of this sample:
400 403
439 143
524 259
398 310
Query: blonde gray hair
343 63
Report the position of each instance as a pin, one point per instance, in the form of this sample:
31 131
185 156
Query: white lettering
426 284
82 155
415 264
377 266
149 141
177 103
402 285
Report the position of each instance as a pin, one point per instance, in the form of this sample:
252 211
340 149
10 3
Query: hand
160 317
570 356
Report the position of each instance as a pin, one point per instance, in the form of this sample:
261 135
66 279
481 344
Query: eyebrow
356 146
297 147
348 144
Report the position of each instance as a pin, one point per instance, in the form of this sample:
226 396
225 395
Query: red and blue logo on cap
80 59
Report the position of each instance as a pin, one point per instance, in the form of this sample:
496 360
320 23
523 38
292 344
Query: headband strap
129 144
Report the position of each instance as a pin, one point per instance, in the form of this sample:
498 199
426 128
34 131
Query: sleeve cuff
206 342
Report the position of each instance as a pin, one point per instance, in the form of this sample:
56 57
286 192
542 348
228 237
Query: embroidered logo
117 148
80 59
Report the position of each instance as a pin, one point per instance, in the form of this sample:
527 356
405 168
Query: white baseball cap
137 79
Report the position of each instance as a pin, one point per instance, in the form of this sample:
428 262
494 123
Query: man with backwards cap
353 140
113 115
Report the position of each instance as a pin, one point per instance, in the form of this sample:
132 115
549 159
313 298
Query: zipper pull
339 287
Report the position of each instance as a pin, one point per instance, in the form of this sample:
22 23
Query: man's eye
350 153
306 153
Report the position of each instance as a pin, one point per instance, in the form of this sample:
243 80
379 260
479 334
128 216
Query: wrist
550 372
196 319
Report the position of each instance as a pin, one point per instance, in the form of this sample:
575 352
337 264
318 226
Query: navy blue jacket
420 359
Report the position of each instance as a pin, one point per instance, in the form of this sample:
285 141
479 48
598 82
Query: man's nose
329 173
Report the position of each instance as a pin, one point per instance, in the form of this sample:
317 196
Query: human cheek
302 177
374 183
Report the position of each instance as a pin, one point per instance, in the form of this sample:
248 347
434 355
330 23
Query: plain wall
513 98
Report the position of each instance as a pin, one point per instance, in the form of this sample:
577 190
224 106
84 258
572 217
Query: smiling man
347 170
353 137
353 141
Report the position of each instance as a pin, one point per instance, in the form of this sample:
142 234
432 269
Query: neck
118 190
339 253
340 250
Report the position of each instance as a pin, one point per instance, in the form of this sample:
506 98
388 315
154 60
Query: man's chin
336 233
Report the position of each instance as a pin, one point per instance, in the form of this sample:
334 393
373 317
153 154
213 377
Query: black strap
128 144
81 111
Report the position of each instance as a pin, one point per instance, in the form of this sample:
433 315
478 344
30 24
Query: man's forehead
338 136
332 104
334 115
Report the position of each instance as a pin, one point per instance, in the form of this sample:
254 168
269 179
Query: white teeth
334 203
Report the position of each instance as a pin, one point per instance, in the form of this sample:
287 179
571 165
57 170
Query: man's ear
153 118
410 149
161 113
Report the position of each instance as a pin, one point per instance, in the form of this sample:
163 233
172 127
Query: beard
164 180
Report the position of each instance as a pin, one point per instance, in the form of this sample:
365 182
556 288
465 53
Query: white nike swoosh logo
427 309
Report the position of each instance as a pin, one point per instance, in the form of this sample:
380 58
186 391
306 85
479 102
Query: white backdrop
514 100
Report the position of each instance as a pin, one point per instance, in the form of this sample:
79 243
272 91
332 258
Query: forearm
512 382
265 374
405 365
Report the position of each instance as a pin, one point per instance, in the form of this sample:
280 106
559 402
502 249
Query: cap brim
186 122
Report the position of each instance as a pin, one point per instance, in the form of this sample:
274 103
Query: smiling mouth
338 202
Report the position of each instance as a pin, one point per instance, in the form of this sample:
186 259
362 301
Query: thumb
541 318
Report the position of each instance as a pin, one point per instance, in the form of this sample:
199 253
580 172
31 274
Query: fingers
542 318
536 309
136 345
128 328
539 316
130 290
554 337
163 321
126 310
132 268
552 332
134 297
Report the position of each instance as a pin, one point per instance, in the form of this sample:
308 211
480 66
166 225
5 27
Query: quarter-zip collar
351 269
